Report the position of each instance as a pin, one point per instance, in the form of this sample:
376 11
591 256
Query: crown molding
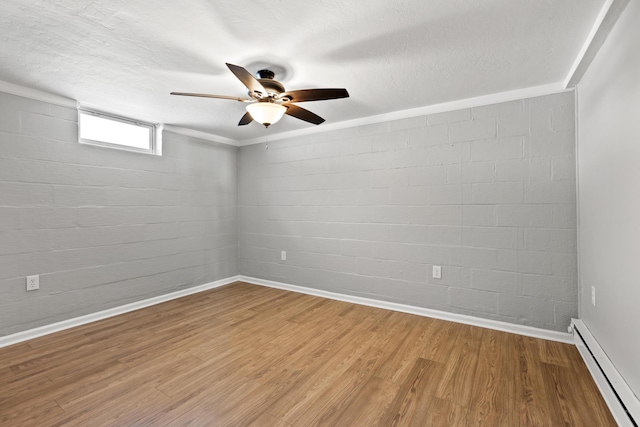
495 98
62 101
37 94
604 23
530 92
200 135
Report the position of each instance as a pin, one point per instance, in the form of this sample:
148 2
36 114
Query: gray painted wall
609 182
105 227
488 193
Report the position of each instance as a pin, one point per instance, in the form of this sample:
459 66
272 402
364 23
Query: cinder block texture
488 193
105 227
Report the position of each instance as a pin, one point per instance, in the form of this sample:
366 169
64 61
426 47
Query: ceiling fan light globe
266 113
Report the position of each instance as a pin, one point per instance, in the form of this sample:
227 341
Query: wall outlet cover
33 283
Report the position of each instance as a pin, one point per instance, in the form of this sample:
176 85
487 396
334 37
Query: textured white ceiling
125 56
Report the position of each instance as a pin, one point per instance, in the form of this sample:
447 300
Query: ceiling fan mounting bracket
266 74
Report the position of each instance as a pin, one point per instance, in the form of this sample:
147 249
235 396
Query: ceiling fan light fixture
266 113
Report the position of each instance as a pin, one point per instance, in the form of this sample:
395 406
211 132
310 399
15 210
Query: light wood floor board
246 355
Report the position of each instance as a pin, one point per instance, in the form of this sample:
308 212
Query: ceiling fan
268 100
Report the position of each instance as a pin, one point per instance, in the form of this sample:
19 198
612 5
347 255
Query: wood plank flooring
245 355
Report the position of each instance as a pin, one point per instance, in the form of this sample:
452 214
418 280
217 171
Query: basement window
111 131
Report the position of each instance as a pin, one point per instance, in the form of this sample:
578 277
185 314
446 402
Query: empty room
284 213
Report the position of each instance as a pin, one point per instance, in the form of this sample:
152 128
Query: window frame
153 132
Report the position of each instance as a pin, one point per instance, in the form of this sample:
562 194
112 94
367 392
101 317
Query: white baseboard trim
426 312
93 317
420 311
615 391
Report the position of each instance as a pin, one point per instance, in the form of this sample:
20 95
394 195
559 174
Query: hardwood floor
246 355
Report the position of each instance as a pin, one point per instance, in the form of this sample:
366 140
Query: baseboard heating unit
623 403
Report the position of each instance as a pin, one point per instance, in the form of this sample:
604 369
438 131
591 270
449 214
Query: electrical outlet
437 272
33 283
283 255
593 296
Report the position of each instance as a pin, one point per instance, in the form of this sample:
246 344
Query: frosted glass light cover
266 113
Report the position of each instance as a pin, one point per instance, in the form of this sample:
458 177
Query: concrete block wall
488 193
105 227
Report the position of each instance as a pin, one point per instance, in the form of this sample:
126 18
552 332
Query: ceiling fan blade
246 119
247 79
302 114
314 94
206 95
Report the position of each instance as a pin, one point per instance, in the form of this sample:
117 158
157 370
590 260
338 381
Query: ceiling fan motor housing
272 86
